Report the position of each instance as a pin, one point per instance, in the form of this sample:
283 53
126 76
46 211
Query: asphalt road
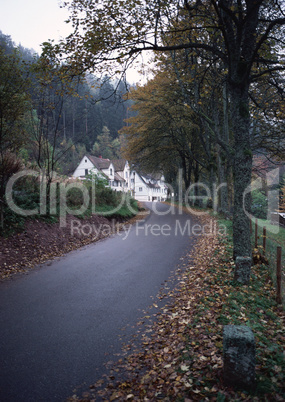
60 323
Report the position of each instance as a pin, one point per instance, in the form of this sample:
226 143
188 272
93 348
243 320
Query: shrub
259 204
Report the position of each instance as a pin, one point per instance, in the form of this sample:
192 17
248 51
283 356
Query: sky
32 22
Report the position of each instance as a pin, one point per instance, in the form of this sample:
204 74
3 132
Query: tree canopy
242 39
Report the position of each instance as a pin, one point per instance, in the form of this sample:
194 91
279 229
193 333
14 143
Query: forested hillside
57 115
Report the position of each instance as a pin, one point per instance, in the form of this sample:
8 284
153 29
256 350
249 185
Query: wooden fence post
264 240
278 276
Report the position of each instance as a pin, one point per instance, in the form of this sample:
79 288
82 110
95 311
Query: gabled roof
148 183
119 164
153 177
99 163
118 177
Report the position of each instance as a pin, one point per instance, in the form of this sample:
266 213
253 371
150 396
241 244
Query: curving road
60 323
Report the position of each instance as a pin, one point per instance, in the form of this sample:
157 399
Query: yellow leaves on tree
163 129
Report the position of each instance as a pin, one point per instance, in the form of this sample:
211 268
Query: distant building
149 187
121 178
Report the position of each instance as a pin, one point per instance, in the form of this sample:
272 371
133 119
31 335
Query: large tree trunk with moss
241 45
241 169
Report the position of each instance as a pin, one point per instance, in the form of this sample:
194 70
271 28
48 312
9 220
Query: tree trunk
197 200
1 216
241 170
223 163
187 171
222 194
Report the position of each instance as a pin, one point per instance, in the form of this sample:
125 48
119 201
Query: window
111 171
140 188
132 180
126 175
86 172
85 160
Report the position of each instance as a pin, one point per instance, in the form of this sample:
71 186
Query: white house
116 171
122 171
148 187
122 178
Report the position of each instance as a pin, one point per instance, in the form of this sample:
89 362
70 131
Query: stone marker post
239 356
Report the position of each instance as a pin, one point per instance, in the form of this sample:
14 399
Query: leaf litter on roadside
179 356
40 242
